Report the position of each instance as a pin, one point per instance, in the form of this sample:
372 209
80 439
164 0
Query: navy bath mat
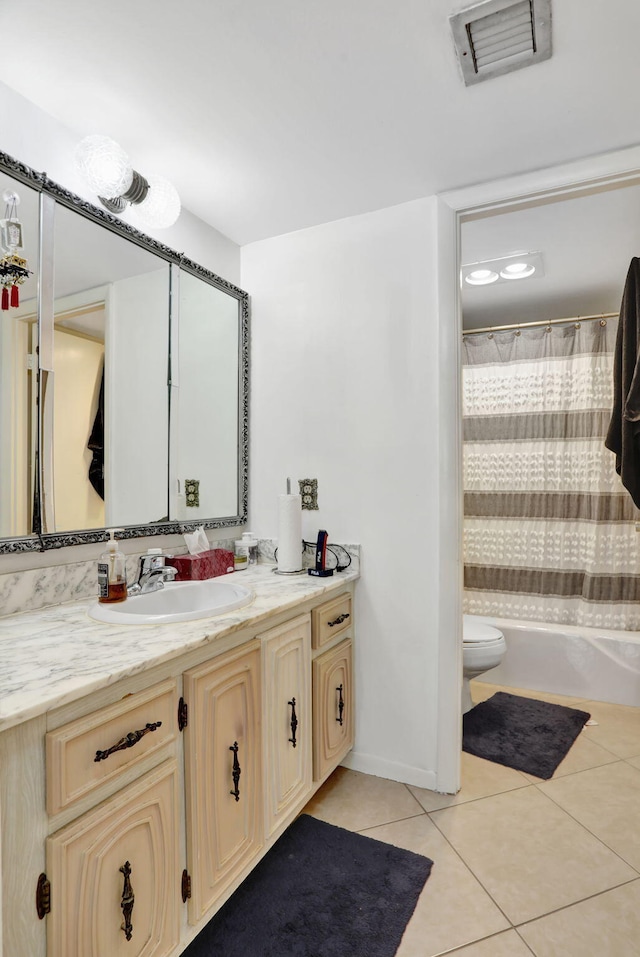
321 891
521 733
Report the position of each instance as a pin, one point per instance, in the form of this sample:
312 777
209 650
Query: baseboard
405 773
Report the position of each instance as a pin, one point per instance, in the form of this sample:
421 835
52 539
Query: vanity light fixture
504 269
153 201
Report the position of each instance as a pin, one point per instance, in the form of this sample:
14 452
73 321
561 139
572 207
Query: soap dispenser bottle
112 579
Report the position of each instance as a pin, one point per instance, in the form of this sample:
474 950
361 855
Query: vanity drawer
329 620
73 770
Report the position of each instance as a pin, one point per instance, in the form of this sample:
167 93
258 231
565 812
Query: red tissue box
217 561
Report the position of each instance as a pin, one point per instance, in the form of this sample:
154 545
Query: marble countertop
58 654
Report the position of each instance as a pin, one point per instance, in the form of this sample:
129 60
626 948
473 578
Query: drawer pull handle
128 741
339 719
236 772
339 619
294 722
127 902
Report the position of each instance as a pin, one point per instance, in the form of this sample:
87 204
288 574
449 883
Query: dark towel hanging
623 436
96 444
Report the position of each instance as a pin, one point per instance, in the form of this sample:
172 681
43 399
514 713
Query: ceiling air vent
498 36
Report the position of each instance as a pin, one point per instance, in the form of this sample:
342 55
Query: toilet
483 648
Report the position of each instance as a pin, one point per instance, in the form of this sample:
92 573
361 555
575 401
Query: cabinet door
287 697
115 875
333 708
223 772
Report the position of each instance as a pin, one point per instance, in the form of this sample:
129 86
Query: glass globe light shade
11 197
104 165
160 208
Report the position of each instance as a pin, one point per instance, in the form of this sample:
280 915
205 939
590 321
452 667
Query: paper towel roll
289 533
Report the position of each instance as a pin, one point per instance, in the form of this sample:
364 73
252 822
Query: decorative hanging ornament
13 268
13 272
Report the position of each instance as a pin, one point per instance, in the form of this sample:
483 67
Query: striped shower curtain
549 531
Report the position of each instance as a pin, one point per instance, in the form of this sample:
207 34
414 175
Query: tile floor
522 866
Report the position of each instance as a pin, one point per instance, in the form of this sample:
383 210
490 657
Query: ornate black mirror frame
39 540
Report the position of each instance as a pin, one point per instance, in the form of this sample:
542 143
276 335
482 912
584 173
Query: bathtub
564 659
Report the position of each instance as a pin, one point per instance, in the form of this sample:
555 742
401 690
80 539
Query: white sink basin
177 601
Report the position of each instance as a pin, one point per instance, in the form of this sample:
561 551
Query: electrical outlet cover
309 493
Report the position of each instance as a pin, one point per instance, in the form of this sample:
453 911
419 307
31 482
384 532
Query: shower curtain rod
542 322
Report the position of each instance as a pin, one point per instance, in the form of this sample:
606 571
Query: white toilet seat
479 632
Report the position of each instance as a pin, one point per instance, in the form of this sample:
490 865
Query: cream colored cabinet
121 820
115 874
88 752
287 711
333 708
223 749
329 620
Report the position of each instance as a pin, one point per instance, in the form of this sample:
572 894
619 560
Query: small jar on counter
240 555
251 542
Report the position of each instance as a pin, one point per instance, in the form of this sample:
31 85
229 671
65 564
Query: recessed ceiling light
518 270
481 277
517 265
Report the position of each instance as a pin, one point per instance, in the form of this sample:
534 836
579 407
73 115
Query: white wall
39 140
346 388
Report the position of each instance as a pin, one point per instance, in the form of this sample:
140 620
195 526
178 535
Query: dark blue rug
321 891
522 733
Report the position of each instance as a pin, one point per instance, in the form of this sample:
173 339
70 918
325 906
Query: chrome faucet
152 575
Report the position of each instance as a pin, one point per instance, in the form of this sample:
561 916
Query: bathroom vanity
145 770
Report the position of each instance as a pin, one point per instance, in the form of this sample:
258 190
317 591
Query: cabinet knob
236 771
128 741
339 719
127 902
339 619
294 722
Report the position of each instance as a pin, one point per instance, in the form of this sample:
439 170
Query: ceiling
586 242
273 116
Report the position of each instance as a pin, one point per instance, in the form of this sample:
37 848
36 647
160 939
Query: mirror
18 348
205 360
143 380
110 437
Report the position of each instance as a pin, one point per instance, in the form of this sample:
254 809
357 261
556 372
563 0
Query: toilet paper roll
289 533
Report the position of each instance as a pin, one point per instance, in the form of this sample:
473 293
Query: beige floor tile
503 945
453 909
605 800
354 801
618 728
528 853
605 926
481 690
634 761
480 779
583 754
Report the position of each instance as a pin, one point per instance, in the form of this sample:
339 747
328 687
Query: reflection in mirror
111 356
206 392
18 366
